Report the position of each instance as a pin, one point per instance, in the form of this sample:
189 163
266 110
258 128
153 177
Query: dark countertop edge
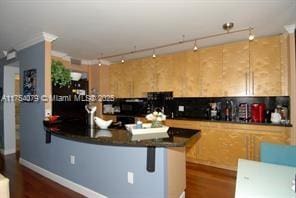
94 141
214 121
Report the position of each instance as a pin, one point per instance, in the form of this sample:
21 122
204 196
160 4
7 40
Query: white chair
4 187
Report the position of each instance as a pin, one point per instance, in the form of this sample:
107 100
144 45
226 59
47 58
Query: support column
292 80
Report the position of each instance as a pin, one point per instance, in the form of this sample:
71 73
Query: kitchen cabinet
245 68
114 75
222 147
222 144
191 83
211 71
277 138
265 58
169 73
143 77
235 73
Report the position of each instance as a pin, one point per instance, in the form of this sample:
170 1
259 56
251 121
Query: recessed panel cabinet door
169 74
266 66
235 76
143 77
222 147
192 81
211 71
125 80
113 79
278 138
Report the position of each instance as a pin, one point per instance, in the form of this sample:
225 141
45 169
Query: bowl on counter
76 76
102 123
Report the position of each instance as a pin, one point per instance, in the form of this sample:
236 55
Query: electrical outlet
130 177
181 108
47 112
72 159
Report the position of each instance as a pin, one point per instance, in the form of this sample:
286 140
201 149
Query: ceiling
87 28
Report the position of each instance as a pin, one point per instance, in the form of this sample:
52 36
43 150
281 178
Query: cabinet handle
133 87
253 83
246 76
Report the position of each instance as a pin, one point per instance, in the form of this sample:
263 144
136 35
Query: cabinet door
235 69
279 138
143 77
266 66
192 81
169 73
223 147
191 152
125 80
211 71
113 79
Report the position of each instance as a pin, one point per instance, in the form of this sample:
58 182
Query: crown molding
290 28
89 62
58 54
105 62
43 36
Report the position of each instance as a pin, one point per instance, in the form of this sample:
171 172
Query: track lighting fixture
153 55
195 48
100 60
251 35
226 26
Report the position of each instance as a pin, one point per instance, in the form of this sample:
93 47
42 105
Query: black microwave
132 107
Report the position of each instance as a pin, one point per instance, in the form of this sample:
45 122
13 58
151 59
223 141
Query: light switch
180 108
130 177
47 112
72 159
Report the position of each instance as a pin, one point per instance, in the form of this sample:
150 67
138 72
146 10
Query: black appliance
69 101
132 107
160 101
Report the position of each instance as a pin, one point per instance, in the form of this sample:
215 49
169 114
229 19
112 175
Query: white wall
9 110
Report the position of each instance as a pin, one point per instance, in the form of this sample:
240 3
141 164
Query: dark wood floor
202 182
25 183
207 182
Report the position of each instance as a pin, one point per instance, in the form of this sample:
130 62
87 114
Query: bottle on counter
228 110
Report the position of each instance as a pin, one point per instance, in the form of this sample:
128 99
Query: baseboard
182 195
62 181
7 151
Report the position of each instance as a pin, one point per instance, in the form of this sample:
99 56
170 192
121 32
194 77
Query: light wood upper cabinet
143 77
192 81
235 73
211 71
169 73
265 60
256 68
114 75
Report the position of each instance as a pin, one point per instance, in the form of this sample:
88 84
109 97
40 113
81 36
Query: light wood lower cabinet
218 146
278 138
222 144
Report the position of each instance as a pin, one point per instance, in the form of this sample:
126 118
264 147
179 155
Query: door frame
9 128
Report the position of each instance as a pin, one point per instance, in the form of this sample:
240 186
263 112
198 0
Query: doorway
11 86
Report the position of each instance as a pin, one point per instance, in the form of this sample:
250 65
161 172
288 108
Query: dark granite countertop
175 137
216 121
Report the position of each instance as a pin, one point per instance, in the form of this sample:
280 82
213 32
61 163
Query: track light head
251 35
153 55
228 26
195 48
